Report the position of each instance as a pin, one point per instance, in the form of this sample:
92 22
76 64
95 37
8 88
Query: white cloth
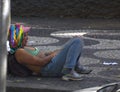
8 46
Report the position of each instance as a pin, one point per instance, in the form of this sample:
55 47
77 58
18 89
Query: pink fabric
26 29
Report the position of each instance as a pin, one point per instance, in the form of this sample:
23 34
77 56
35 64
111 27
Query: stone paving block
98 49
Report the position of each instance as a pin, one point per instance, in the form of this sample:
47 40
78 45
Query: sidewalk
101 52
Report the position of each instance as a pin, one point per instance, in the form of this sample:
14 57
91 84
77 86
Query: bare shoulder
21 55
20 51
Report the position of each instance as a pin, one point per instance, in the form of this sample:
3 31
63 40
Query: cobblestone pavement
101 51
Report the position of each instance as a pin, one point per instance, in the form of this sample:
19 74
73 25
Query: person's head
17 36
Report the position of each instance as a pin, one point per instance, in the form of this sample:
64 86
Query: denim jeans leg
74 53
66 58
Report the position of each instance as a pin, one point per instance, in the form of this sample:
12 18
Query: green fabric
32 52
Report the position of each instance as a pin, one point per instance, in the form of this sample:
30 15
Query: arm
55 52
44 54
25 58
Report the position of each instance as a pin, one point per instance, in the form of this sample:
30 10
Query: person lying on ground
62 63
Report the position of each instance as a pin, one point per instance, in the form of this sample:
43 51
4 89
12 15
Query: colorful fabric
25 29
15 37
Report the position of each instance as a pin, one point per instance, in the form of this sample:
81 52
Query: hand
53 54
41 54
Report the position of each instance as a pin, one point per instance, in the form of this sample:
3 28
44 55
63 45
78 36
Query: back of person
14 68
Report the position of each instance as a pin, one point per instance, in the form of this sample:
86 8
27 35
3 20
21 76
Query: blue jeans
67 58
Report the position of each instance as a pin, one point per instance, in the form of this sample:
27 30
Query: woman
53 64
